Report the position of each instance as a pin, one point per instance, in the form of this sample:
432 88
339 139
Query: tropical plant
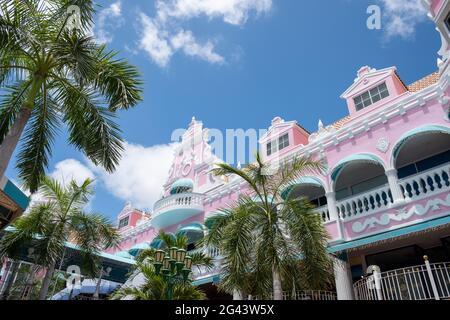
155 288
60 219
168 240
52 74
270 241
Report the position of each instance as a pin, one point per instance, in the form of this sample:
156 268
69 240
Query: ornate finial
425 258
193 121
320 124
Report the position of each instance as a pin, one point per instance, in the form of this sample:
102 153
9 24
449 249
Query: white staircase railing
421 282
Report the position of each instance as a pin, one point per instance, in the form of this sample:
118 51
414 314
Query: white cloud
402 17
154 42
185 40
108 18
71 169
139 178
65 171
162 35
231 11
141 174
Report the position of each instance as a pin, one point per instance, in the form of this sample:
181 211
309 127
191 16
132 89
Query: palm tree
270 241
61 219
155 288
49 75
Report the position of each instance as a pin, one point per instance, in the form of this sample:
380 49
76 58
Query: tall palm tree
270 241
60 219
52 74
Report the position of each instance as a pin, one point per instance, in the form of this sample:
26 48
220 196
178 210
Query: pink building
384 199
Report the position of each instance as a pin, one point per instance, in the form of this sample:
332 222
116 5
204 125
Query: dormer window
123 222
278 144
371 96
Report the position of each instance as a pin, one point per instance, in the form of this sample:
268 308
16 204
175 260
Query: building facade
384 198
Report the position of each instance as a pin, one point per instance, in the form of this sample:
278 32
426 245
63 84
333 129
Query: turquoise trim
191 227
13 192
138 247
390 234
124 254
416 131
355 157
311 181
211 279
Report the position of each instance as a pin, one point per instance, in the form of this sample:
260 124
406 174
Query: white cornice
364 124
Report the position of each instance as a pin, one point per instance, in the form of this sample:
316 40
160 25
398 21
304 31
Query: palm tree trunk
99 283
46 282
277 288
9 281
11 140
26 292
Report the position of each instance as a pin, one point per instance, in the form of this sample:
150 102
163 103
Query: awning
138 247
390 234
193 231
157 243
209 222
124 254
418 131
361 157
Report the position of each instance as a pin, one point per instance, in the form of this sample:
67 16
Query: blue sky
238 64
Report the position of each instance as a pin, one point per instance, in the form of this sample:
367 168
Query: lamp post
174 265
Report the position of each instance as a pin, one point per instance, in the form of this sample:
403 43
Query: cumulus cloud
71 169
108 18
185 41
139 178
140 175
64 172
402 17
163 35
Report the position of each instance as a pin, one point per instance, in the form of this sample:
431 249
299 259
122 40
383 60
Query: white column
396 191
343 279
334 214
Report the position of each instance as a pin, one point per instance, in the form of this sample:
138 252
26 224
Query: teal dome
134 251
182 185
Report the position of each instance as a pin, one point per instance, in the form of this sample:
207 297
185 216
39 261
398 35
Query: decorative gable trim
367 77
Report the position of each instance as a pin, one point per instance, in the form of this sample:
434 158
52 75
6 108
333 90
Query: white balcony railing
179 200
427 182
323 213
422 184
412 283
365 203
